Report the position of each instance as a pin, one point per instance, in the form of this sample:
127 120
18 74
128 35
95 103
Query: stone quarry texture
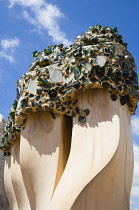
4 204
97 59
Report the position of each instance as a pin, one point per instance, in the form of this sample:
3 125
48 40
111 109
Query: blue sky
28 25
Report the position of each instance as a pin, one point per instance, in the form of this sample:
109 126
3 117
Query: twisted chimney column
68 141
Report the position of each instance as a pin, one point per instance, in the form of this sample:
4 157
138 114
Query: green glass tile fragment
60 45
52 93
43 82
122 100
24 100
53 115
48 51
82 119
94 40
86 111
35 53
105 85
51 104
85 81
12 115
115 30
50 46
14 104
76 84
114 77
93 79
100 70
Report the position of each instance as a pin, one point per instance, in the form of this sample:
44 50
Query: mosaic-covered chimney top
97 59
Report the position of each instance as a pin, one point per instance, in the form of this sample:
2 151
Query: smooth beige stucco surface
67 165
43 156
110 189
92 147
17 179
8 184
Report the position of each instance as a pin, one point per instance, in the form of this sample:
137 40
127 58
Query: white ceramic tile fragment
118 50
32 86
55 74
101 60
18 104
68 79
